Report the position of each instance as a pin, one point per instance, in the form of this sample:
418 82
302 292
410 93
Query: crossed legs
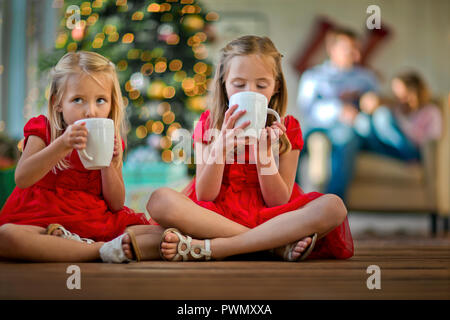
31 243
173 209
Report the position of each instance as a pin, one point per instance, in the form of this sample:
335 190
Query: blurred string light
137 16
141 132
163 107
97 3
160 66
128 38
167 156
157 127
175 65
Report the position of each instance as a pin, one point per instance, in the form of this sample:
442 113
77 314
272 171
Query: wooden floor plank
408 271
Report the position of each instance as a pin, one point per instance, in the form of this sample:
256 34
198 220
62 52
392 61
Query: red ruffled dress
240 198
71 197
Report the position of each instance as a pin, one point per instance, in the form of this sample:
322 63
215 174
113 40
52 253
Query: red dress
71 197
240 198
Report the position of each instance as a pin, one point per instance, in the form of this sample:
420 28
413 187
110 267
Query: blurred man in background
328 98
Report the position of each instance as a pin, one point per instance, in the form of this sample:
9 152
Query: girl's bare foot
146 245
296 250
59 231
127 247
170 244
169 247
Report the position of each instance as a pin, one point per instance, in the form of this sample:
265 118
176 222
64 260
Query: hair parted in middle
242 46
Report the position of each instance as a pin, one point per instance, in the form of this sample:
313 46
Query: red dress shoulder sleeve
294 132
201 127
37 126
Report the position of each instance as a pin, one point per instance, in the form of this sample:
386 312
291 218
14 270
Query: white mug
100 143
256 107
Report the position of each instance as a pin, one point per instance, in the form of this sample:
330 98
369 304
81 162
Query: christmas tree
159 49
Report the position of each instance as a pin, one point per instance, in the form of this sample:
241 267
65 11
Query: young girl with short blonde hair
59 210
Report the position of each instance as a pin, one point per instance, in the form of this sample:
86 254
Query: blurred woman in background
402 130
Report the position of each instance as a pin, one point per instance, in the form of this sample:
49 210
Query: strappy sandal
182 254
66 234
112 251
287 255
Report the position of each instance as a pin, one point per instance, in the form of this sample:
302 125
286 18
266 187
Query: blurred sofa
385 184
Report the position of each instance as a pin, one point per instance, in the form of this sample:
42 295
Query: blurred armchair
385 184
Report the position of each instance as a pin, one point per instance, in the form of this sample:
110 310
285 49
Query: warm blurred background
164 52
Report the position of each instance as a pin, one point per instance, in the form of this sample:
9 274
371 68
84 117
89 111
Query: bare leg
30 243
173 209
321 215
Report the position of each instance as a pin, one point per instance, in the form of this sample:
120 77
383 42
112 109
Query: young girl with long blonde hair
234 208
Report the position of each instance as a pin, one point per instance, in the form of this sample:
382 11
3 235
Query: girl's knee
335 209
8 234
160 204
6 229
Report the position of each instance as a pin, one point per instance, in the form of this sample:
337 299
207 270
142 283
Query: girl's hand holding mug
75 136
227 137
270 135
117 151
279 128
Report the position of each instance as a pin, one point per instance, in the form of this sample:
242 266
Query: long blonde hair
74 63
243 46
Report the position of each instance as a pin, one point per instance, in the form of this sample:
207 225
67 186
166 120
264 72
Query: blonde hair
75 63
243 46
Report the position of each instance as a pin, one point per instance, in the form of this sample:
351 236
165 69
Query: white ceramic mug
100 143
257 109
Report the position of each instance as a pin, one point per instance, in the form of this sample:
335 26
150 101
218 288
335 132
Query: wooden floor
409 270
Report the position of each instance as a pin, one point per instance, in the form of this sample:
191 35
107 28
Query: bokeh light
128 38
168 117
212 16
153 7
137 16
179 76
175 65
165 142
147 69
167 156
141 132
160 67
157 127
163 107
169 92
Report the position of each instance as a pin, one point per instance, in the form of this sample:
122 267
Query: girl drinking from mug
236 207
59 209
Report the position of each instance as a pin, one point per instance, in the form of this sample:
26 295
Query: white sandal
112 251
67 234
190 249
